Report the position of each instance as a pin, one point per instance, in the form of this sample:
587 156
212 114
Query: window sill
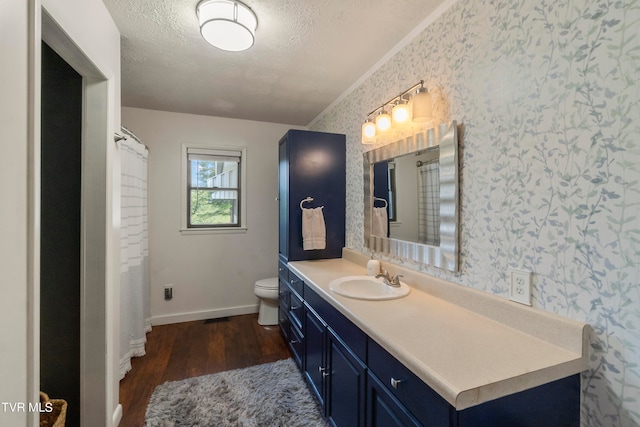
199 231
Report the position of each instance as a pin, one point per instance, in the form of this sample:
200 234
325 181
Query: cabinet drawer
295 309
283 295
421 401
296 283
283 271
295 338
283 308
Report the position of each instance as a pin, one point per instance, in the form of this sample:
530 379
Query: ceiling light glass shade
227 24
401 114
383 121
422 108
368 132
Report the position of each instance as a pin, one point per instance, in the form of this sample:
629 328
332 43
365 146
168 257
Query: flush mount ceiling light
227 24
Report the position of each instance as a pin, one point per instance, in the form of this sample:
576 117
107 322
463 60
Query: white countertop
470 347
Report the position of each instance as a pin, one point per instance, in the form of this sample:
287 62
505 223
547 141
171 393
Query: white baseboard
117 416
202 315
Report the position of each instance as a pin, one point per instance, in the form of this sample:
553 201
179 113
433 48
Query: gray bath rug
269 395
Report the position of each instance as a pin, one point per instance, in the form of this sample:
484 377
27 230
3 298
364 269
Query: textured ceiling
307 53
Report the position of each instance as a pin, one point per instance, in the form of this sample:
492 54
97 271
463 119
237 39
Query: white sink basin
367 288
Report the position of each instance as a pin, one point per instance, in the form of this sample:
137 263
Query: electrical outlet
520 281
168 292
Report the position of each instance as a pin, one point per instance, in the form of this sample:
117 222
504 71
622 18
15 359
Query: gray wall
213 273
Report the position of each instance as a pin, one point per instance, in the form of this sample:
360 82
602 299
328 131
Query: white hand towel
380 223
314 232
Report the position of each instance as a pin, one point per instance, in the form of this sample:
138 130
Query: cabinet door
316 168
346 389
383 409
314 354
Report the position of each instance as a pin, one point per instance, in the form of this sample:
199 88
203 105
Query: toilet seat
270 283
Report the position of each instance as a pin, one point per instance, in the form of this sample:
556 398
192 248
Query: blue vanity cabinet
359 383
336 374
311 164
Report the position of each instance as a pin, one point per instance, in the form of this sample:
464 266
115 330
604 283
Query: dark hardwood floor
190 349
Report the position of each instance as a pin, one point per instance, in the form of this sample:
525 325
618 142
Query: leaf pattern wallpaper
548 95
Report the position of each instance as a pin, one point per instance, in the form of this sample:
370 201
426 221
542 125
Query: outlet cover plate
520 286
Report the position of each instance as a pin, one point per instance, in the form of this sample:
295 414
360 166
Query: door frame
94 353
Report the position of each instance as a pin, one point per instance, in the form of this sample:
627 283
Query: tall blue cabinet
311 164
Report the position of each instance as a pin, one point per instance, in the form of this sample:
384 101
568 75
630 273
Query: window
213 197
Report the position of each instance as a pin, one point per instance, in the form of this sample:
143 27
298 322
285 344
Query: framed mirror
411 198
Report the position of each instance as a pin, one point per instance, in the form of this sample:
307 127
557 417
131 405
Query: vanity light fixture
405 110
227 24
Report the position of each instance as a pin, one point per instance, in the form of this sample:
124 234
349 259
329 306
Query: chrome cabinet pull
323 371
395 383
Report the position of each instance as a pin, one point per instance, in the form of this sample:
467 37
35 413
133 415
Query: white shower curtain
429 203
135 314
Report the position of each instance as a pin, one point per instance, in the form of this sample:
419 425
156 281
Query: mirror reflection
406 199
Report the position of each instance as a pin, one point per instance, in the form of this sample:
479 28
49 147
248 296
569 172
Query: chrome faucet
395 281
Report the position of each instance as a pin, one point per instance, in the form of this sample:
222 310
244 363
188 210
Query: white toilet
267 291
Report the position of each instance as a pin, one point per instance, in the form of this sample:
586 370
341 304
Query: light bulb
368 132
383 121
401 114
